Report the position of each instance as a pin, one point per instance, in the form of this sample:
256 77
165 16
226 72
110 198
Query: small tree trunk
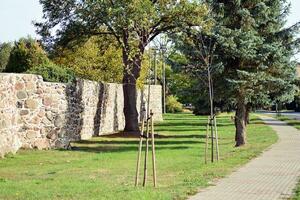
240 124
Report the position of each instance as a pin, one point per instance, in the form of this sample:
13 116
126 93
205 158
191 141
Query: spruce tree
255 49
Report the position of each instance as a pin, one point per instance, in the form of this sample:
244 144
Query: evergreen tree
255 50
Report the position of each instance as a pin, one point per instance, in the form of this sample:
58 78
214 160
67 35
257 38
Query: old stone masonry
43 115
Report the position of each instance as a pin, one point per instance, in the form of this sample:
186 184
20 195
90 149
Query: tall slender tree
133 23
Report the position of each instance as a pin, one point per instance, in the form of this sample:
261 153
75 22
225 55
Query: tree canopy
133 23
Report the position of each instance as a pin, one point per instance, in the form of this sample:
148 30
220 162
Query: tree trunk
240 124
130 111
131 73
247 116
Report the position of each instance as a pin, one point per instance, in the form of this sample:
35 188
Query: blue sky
16 18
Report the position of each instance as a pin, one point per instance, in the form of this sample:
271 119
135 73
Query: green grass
297 193
289 121
104 167
296 124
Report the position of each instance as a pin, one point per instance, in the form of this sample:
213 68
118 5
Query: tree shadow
272 122
162 142
97 117
133 142
180 136
74 120
193 124
119 149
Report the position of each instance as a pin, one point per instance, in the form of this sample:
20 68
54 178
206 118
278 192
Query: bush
53 73
202 107
26 54
5 49
173 106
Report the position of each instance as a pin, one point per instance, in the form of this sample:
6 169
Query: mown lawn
104 167
290 121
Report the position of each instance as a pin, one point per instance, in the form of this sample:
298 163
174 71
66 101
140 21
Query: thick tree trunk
240 124
131 73
130 111
247 116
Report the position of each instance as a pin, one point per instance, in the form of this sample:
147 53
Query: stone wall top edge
18 74
78 79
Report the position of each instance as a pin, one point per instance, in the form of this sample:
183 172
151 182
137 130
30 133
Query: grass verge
289 121
104 167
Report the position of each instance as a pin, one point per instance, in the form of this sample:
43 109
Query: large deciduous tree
134 24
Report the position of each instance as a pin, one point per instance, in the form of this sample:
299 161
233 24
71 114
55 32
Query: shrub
173 106
26 54
53 73
5 49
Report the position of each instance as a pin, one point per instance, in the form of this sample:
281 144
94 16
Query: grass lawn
296 124
297 193
104 167
290 121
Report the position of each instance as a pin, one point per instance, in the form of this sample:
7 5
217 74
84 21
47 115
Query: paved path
273 175
292 115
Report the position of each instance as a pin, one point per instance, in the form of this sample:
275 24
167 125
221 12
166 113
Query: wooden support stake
153 150
212 138
217 139
206 141
146 153
139 153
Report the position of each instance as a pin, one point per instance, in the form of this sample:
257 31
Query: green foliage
257 49
110 162
253 48
97 59
172 104
26 54
53 73
5 49
134 23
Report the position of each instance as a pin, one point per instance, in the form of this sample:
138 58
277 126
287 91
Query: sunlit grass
104 167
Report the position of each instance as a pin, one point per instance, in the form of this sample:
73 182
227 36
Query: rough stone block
31 104
21 95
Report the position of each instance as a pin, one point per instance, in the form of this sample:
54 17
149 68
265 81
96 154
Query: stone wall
38 114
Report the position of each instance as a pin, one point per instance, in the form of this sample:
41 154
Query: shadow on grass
118 148
133 142
180 129
179 136
273 122
132 145
191 124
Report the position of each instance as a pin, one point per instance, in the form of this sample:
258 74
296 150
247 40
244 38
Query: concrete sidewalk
273 175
